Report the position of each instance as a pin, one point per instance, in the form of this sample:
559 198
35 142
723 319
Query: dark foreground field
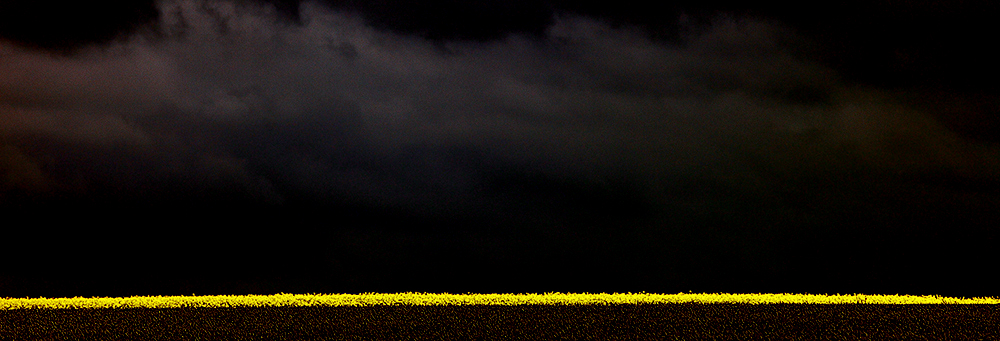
685 321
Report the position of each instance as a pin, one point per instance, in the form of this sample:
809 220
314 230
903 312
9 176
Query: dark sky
235 147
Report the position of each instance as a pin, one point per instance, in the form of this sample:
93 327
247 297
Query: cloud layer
232 93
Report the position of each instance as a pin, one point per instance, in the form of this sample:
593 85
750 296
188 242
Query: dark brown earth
619 322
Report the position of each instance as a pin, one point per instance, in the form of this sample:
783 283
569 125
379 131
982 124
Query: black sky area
257 147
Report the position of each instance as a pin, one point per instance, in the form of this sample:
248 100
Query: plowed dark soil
622 322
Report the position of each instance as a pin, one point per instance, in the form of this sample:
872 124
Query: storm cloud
231 100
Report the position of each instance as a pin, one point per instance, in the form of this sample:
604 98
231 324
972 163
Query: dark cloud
586 143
